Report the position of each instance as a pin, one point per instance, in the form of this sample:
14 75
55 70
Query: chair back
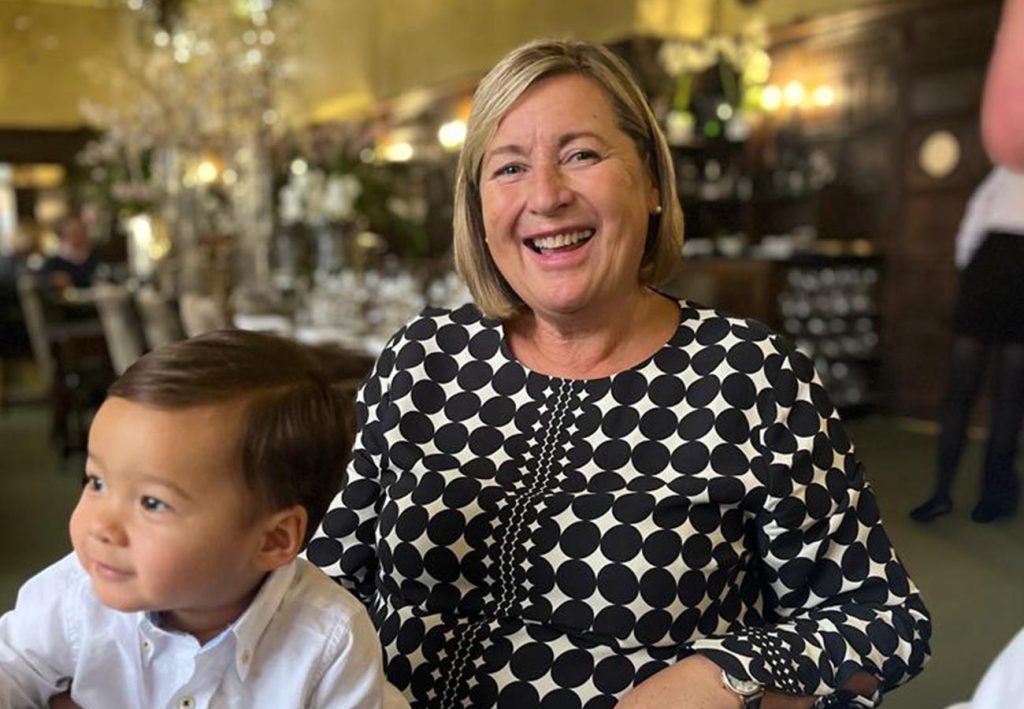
201 313
160 322
33 311
120 325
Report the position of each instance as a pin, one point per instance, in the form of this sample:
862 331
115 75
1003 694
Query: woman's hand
696 683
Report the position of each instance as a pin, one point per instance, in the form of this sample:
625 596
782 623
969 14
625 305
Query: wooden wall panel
910 68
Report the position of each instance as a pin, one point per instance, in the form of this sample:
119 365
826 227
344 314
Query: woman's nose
549 190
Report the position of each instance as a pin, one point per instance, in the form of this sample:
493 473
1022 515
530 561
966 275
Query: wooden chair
121 326
71 352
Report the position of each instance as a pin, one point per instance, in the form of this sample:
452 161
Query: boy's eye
152 504
93 483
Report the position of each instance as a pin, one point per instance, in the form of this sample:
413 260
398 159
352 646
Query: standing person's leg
966 372
999 490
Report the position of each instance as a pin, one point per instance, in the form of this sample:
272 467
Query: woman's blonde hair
504 84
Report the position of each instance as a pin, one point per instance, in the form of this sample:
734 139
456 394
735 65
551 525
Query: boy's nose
106 526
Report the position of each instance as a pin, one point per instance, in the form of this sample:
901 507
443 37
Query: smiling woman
579 492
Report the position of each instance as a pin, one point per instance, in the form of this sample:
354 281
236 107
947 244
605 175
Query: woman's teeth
559 241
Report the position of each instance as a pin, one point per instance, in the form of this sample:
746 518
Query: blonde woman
580 492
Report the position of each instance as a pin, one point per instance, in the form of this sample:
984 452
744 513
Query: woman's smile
560 241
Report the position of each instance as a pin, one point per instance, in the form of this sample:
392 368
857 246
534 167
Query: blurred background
287 165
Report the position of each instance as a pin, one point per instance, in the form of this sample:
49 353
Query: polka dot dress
524 540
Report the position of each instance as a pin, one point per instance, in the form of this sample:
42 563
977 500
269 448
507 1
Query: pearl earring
657 209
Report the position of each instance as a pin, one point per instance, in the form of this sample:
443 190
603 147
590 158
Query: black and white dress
524 540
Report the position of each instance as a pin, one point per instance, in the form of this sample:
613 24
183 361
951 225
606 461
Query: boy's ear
283 532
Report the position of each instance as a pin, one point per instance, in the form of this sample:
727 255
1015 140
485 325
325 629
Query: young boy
210 463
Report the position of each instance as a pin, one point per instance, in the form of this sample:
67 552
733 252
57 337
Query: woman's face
566 199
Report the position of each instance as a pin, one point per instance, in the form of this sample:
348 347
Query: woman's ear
283 534
653 197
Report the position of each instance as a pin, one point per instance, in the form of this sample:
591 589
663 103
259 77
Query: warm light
452 134
823 96
793 94
299 166
229 177
398 152
206 172
771 98
758 68
161 39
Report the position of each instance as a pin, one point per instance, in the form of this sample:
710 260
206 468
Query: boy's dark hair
296 434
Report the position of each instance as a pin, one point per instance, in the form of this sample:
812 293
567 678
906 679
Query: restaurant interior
287 166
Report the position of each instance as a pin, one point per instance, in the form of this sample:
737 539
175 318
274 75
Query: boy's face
165 522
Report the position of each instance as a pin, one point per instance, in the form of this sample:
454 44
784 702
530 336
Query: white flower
340 197
291 210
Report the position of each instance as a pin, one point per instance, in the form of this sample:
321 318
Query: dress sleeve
837 598
345 545
37 644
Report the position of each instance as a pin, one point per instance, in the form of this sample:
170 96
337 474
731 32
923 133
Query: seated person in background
75 263
209 465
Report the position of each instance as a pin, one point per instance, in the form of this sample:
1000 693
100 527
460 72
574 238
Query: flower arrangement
742 62
332 178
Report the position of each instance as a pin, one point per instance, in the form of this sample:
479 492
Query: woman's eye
508 170
94 483
582 155
151 504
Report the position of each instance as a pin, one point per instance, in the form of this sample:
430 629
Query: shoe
990 510
935 507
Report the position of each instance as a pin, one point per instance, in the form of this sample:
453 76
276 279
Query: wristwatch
749 691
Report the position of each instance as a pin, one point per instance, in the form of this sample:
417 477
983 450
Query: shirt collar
248 629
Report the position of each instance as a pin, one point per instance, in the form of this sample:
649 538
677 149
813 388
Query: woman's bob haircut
499 90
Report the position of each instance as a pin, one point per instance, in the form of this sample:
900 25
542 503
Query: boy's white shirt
303 642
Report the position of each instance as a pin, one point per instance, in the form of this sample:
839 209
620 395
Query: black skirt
990 304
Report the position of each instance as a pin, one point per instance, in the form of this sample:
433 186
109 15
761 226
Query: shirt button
147 645
186 703
246 656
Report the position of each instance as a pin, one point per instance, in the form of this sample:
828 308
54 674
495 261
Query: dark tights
967 372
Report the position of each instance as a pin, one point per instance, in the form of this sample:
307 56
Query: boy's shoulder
62 582
316 600
58 609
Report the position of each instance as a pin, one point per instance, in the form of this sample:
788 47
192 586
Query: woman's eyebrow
508 149
576 135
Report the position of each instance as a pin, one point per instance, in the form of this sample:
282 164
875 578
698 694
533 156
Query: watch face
742 687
